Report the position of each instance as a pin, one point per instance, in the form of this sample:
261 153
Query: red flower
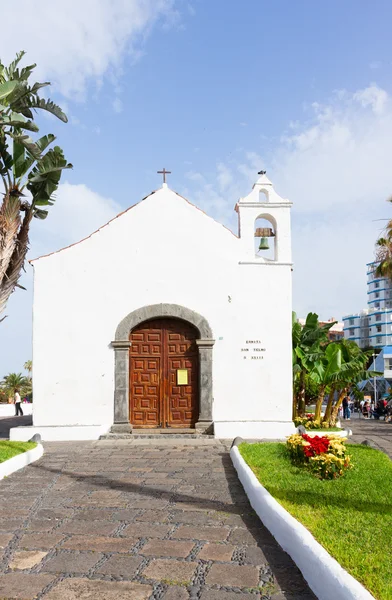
318 445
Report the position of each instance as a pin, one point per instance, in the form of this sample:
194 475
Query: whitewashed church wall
161 251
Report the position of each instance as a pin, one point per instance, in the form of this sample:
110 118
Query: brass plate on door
182 376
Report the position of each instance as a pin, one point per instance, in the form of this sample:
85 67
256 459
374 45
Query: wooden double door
164 374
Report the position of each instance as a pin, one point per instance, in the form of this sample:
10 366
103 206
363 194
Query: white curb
20 460
326 578
345 433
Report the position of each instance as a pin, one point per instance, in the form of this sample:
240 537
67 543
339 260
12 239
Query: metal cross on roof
164 173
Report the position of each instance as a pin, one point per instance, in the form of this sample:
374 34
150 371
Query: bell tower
264 205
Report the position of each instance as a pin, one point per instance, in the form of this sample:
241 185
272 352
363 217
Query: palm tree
340 367
384 252
308 342
24 165
15 381
352 370
28 366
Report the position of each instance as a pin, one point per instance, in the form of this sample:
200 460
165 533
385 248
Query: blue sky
215 90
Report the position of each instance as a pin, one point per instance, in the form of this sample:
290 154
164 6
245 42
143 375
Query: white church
165 321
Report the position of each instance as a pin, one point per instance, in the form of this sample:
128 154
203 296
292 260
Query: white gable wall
163 250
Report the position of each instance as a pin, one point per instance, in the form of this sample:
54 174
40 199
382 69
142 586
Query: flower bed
309 422
325 456
349 516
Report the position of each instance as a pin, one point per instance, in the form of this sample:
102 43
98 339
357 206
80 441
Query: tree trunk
15 265
301 395
320 398
294 405
9 225
335 409
328 410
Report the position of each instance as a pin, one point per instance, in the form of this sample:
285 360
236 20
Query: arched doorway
122 344
163 374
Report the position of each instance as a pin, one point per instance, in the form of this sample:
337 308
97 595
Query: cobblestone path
107 521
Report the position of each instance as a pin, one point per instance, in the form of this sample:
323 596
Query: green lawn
10 449
351 516
324 430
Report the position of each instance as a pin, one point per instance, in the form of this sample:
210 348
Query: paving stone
243 536
121 566
196 517
10 524
99 544
104 495
221 595
88 527
154 516
87 589
233 575
71 562
221 552
40 540
41 525
245 520
26 559
213 534
145 530
11 512
23 586
149 502
126 514
182 505
288 580
175 592
92 514
5 538
167 548
144 469
54 514
292 596
173 571
155 475
271 555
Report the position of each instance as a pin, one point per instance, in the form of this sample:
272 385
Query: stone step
166 431
156 436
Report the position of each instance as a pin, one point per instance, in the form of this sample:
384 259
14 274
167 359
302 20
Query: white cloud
339 156
75 43
372 96
335 167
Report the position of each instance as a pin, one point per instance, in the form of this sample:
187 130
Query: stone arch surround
121 345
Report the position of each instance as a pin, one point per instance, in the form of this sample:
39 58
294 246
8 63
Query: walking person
346 408
18 402
366 409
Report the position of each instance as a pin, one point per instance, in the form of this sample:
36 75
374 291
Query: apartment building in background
372 327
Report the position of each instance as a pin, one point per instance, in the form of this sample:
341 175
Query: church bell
264 244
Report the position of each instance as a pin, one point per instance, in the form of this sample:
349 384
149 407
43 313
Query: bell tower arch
263 206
